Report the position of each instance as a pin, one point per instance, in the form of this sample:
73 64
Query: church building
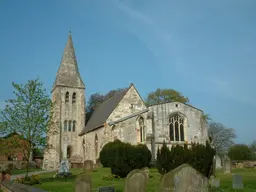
123 116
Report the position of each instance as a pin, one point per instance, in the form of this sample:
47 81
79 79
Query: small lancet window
69 125
74 98
67 97
74 126
65 125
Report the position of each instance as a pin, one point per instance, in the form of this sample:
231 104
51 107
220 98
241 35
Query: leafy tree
96 99
28 115
165 95
240 152
253 146
221 137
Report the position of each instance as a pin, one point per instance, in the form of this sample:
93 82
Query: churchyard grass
68 185
21 171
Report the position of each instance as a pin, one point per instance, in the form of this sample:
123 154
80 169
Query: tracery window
74 126
74 98
67 97
65 125
69 125
176 127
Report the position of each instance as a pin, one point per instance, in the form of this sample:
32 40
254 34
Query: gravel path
29 174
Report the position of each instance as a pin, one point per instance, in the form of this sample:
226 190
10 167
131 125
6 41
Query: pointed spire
68 73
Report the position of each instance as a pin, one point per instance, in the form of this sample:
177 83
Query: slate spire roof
68 73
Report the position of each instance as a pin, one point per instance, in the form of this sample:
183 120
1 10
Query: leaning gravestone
88 165
226 165
135 181
146 171
83 183
184 179
214 182
237 181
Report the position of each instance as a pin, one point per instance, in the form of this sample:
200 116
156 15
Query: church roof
102 112
68 73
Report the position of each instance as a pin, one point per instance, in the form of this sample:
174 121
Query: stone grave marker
184 179
107 189
214 182
135 181
214 166
146 171
88 165
226 165
237 181
83 183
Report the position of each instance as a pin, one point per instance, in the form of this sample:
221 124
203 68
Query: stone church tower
69 110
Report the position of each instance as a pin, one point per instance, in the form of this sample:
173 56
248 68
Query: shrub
32 180
107 152
199 156
124 157
240 152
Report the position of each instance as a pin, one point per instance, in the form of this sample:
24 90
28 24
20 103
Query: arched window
74 125
176 127
69 125
67 97
141 129
65 126
74 98
69 151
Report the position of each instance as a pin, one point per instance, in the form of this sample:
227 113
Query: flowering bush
111 177
33 179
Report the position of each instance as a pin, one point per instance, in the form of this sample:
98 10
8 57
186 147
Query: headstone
88 165
226 165
83 183
146 171
76 161
107 189
215 182
214 166
237 181
218 162
184 179
135 181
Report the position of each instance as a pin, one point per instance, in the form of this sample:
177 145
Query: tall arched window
74 98
176 127
74 125
67 97
141 129
69 125
65 125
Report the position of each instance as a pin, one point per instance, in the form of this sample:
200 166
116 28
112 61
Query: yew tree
28 114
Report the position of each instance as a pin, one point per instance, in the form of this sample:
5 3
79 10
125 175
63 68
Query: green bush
200 157
107 151
124 157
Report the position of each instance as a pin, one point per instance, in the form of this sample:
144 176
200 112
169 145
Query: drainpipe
153 142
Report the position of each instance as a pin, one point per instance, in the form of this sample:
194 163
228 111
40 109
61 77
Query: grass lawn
21 171
55 184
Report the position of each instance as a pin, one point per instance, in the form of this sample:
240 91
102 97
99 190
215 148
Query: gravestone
76 161
218 162
184 179
88 165
146 171
135 181
226 165
214 182
237 181
107 189
83 183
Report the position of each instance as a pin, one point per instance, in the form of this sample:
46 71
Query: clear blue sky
204 49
